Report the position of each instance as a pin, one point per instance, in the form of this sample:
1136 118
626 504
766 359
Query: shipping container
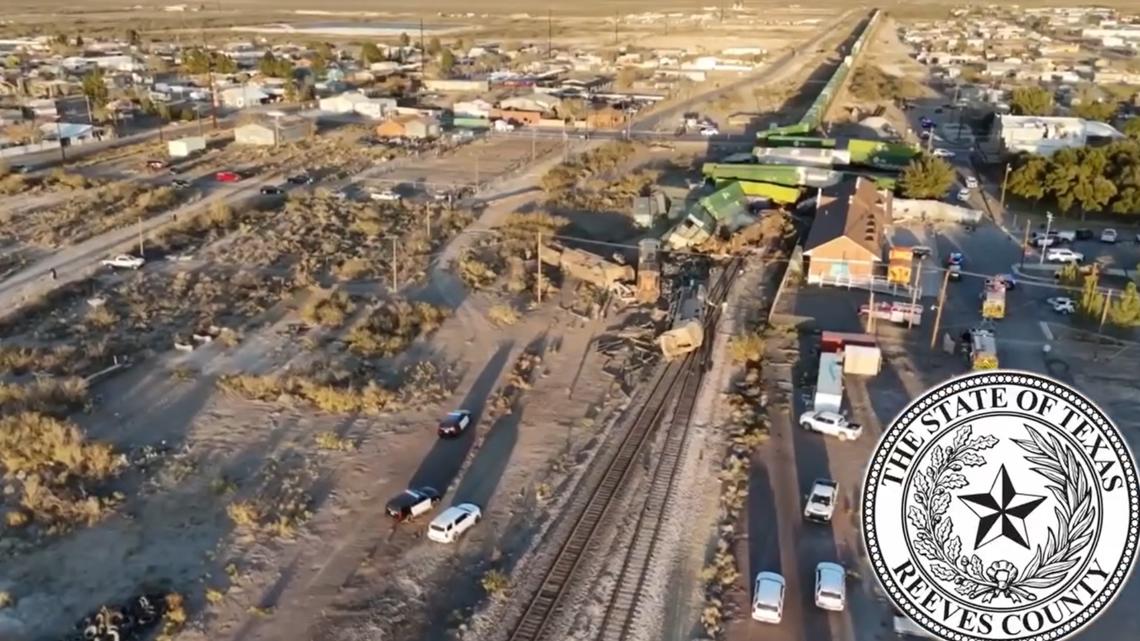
829 384
184 147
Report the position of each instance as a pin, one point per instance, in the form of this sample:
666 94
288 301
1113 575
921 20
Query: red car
227 176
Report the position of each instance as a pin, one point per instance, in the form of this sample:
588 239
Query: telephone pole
423 50
140 228
914 294
1025 243
549 35
941 305
395 267
538 268
1004 182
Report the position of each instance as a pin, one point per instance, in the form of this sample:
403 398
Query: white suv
768 598
830 423
820 504
830 586
453 522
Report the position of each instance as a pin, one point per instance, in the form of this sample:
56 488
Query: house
537 102
273 131
1045 135
517 116
476 108
243 96
846 237
408 126
354 102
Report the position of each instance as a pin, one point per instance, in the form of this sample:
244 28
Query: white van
830 586
768 599
453 522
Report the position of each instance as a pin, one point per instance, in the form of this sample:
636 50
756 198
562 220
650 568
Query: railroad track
589 508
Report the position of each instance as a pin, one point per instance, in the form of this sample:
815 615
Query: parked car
920 251
179 183
971 182
768 598
830 586
386 195
820 503
1084 233
157 164
1063 255
955 258
709 132
300 179
455 423
270 190
830 423
412 503
123 261
943 153
1043 241
1062 304
453 522
1108 236
955 272
227 176
964 195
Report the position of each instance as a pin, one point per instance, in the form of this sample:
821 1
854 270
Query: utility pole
213 86
941 305
1025 243
914 294
615 28
59 138
1104 312
549 35
871 308
1004 182
140 227
538 268
423 50
1045 242
533 142
395 267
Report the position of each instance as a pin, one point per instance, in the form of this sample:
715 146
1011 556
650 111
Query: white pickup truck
123 261
830 423
820 504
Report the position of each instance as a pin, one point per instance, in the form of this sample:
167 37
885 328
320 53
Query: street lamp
1045 242
1004 181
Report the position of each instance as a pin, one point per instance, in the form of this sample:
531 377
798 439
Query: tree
370 53
271 65
78 41
926 176
95 88
1125 312
1027 181
1092 300
404 40
133 38
291 94
1096 110
446 62
1031 101
434 47
1131 127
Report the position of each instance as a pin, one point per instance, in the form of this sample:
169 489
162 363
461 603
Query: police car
412 503
455 423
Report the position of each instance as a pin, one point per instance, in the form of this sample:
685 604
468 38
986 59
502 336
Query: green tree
404 40
1096 110
78 41
1027 180
1131 127
291 93
95 88
446 62
221 63
370 53
434 47
926 176
271 65
1031 101
133 38
1125 312
195 61
1070 274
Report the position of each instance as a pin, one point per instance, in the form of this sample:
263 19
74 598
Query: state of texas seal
1001 505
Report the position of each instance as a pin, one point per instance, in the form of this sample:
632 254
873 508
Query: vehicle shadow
441 465
482 477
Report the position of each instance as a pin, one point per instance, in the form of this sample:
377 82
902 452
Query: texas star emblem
1001 505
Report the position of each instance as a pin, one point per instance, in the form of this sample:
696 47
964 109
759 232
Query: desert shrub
13 184
47 395
328 311
279 502
745 348
495 582
391 327
332 441
353 268
476 273
503 315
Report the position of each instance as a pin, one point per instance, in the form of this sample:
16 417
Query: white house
1045 135
477 108
243 96
355 102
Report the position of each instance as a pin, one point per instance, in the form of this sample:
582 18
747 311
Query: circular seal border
1114 581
